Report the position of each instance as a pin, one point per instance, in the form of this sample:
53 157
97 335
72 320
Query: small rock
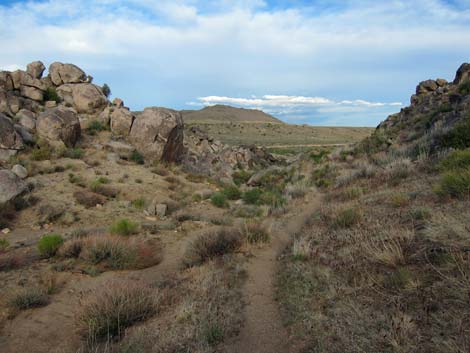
20 171
50 104
160 210
6 230
118 102
113 157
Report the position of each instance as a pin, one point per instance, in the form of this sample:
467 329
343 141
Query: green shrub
107 312
398 279
252 196
29 297
110 251
464 87
4 244
41 152
123 227
458 137
272 198
210 245
51 95
219 199
73 153
324 176
106 90
232 192
49 244
318 156
95 126
347 218
456 160
138 203
241 177
137 157
214 335
455 183
420 214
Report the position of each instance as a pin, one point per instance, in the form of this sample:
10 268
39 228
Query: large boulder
35 69
121 121
27 119
86 98
6 82
158 134
10 140
426 87
32 93
11 186
66 73
59 126
463 74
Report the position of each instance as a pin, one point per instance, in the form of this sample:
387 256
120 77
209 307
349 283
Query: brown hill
225 113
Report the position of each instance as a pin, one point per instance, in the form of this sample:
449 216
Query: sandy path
263 331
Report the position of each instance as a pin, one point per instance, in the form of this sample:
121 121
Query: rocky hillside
438 118
227 114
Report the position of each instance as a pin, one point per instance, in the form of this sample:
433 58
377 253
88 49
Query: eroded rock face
11 186
10 140
66 73
463 74
121 121
86 98
158 134
59 126
35 69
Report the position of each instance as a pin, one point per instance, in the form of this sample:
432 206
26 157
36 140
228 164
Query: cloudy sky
349 62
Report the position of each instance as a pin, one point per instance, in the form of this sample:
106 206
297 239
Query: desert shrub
274 199
387 250
456 160
72 248
352 193
318 156
214 335
41 152
323 176
106 90
160 170
247 211
464 87
458 137
99 186
219 199
254 232
111 252
252 196
398 170
51 95
89 199
4 244
138 203
210 245
346 218
137 157
124 227
107 312
455 183
73 153
12 261
296 190
420 214
95 126
398 279
29 297
378 141
301 249
48 245
399 199
241 177
76 179
232 192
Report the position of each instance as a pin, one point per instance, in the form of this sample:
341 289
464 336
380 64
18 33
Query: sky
336 63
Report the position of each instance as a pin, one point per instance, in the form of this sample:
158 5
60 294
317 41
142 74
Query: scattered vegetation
48 245
219 199
29 297
95 126
137 157
51 95
106 90
255 233
124 227
232 192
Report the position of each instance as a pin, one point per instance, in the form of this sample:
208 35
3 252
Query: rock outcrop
35 69
10 141
85 98
59 126
121 121
60 74
11 186
158 134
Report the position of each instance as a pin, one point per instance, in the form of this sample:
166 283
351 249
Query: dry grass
255 233
107 312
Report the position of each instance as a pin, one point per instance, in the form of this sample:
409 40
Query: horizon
321 63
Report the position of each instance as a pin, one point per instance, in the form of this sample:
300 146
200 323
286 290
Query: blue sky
349 62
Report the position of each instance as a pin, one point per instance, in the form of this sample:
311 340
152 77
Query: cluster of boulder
435 101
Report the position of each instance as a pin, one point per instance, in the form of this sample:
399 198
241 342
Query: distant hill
225 113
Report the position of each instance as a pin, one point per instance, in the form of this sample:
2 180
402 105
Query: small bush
420 214
41 152
211 245
232 192
455 184
138 203
398 170
29 297
106 90
123 227
464 88
301 249
219 199
456 160
254 233
49 244
160 170
458 137
241 177
137 157
73 153
4 244
252 196
399 199
347 218
114 307
398 279
274 199
51 95
89 199
248 211
95 126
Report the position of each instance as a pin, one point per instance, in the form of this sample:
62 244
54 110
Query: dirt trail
263 331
